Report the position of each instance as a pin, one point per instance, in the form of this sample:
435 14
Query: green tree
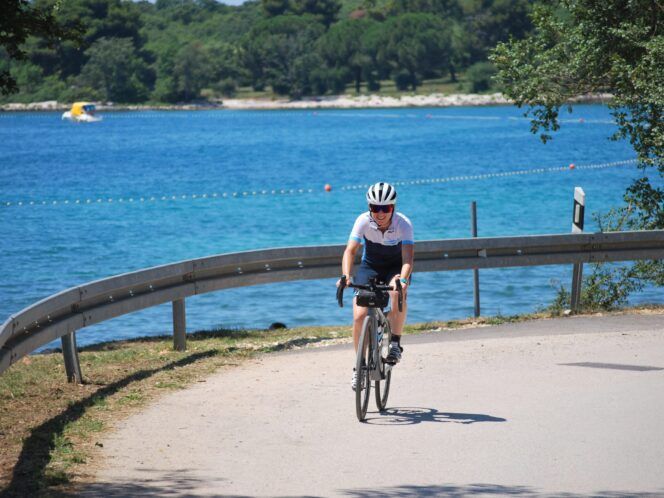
460 49
99 19
21 19
341 48
273 8
28 76
373 46
479 76
443 8
325 11
192 71
415 46
115 71
583 46
488 22
278 52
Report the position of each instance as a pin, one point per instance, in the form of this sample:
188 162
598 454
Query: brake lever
400 291
340 291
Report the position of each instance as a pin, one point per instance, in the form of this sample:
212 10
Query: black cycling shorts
383 274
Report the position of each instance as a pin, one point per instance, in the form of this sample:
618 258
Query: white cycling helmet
382 194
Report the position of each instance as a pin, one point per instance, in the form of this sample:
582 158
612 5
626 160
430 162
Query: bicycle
374 343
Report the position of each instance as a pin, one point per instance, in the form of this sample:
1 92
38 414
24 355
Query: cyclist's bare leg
397 318
359 314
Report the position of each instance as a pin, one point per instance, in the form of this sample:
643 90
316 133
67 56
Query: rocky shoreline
329 102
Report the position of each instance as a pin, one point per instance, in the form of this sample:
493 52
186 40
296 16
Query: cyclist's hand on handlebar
402 288
341 285
403 285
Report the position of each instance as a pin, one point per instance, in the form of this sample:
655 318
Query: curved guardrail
60 315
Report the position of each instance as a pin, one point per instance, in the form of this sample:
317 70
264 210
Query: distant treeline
186 50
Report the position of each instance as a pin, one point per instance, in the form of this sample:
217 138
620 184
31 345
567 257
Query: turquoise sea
80 202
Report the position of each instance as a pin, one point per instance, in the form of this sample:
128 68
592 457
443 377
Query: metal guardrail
60 315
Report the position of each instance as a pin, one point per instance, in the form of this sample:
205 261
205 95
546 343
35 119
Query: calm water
50 242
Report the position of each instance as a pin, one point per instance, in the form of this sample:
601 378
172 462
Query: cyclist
388 255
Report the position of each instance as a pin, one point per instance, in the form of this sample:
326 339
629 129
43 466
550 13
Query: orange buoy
571 166
328 187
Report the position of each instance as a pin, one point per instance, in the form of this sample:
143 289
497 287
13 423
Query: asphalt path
569 407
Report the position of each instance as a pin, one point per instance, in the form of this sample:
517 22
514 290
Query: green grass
387 89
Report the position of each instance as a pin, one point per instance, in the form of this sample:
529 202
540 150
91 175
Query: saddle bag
368 299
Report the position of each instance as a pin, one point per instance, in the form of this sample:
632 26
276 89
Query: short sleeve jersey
382 248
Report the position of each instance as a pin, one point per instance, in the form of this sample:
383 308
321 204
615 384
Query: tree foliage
21 19
114 71
278 53
324 11
183 50
342 46
584 46
413 46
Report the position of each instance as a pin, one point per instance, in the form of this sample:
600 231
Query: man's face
382 214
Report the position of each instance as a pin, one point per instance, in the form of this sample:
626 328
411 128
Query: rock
14 107
48 105
277 325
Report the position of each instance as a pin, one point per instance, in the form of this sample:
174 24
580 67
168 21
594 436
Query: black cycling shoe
394 355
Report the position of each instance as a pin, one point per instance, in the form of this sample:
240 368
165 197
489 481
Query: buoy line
329 112
147 199
501 174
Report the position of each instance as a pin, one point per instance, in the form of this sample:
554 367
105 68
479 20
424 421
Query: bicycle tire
381 397
362 367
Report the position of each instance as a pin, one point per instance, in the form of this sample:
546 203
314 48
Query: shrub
479 76
227 87
402 80
606 288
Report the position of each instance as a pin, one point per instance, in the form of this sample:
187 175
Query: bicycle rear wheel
362 367
382 387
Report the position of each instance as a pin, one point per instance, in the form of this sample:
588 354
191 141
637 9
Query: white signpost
476 272
577 227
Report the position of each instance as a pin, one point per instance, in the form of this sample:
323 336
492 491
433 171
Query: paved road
568 407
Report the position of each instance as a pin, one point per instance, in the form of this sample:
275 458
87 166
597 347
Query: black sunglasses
375 208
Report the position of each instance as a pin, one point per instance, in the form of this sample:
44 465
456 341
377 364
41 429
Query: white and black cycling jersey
382 248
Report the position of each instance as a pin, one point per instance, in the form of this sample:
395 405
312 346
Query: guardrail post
179 325
577 227
476 272
577 279
70 354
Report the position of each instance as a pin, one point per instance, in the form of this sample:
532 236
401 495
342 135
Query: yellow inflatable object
81 111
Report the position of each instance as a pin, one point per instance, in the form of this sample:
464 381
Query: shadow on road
184 484
181 483
454 491
416 415
29 475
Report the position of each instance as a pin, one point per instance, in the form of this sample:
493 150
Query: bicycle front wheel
363 369
382 390
382 387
